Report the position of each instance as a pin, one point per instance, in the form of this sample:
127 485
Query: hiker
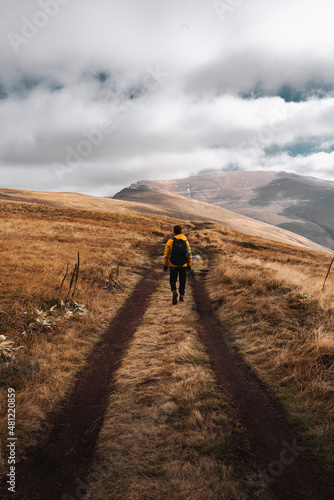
178 252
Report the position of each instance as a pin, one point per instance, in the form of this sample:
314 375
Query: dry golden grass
37 242
162 203
166 428
269 296
166 433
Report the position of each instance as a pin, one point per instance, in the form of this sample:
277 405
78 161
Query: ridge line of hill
300 204
148 200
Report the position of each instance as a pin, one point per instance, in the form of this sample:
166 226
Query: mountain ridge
151 201
300 204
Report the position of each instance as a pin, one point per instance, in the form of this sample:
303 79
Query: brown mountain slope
148 200
63 200
303 205
175 205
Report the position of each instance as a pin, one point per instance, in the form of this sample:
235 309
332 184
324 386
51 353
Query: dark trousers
180 272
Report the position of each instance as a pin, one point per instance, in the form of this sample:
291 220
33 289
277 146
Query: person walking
178 255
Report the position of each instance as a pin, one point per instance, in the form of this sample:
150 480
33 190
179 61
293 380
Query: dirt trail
53 469
274 446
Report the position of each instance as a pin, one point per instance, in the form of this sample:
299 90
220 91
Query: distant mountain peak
301 204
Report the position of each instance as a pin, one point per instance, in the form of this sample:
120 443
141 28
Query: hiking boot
181 298
174 298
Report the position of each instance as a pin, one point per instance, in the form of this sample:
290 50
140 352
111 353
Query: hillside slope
268 295
175 205
144 199
303 205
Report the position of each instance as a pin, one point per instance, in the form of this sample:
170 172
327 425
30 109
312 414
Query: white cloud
101 94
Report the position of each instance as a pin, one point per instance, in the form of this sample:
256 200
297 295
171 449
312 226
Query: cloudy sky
97 94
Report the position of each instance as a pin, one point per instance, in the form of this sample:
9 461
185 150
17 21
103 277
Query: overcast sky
97 94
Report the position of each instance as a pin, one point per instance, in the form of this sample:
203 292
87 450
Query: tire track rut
281 458
53 467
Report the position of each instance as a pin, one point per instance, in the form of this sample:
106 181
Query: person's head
177 230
